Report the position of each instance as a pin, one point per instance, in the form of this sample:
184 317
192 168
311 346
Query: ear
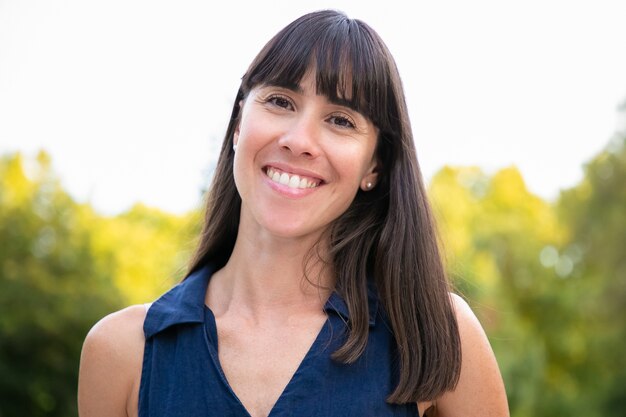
368 182
236 134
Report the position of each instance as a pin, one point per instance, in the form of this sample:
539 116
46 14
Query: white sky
131 97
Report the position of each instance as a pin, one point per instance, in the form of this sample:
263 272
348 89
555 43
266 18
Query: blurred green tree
53 289
62 268
147 249
595 210
547 281
502 245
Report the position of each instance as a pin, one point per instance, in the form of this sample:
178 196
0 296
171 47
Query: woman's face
300 159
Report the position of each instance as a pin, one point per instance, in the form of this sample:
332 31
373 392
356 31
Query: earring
234 147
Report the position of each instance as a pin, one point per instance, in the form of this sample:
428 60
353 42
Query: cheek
251 138
254 133
352 163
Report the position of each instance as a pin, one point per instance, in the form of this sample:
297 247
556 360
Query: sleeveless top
182 375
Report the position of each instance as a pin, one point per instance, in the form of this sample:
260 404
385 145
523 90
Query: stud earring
369 185
234 147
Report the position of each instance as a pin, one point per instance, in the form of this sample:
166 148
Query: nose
302 139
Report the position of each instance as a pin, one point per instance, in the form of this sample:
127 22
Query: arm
110 365
480 391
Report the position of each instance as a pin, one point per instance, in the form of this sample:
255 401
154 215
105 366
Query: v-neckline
212 344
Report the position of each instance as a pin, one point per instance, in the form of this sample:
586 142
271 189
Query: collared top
182 375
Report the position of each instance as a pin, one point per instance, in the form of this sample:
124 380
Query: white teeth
291 181
294 181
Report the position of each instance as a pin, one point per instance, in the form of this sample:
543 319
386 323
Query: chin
292 232
285 228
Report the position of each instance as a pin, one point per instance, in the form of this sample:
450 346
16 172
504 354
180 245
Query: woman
317 288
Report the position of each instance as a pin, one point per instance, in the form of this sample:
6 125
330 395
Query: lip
295 170
288 192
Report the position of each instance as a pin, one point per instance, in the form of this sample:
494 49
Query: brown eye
280 101
341 121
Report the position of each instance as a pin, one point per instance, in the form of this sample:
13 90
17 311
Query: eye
342 121
280 101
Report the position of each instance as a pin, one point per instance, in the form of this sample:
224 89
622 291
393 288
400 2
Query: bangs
351 65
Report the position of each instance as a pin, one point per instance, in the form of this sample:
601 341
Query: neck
268 275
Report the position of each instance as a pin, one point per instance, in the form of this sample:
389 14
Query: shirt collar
182 304
185 303
337 305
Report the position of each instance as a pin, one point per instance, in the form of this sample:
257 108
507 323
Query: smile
291 180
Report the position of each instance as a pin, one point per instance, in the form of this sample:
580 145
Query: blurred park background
547 280
531 200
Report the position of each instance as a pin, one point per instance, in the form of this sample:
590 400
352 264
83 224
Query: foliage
596 213
148 249
547 280
497 268
52 291
63 267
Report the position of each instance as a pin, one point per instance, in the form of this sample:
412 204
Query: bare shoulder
110 365
480 391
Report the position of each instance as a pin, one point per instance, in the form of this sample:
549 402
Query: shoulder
469 326
118 335
480 390
110 364
119 323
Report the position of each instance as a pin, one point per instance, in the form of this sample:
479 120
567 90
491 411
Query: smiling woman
300 159
317 288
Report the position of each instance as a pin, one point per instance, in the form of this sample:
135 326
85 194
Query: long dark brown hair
387 233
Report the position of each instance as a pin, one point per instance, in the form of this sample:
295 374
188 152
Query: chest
259 362
200 370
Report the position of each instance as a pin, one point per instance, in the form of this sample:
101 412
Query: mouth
291 180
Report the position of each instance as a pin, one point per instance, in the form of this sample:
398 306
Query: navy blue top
182 375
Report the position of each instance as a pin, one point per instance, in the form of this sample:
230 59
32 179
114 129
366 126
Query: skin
267 315
303 133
